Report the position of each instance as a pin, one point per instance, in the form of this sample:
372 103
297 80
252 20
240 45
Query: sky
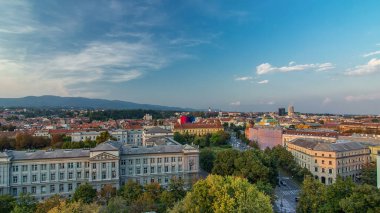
321 56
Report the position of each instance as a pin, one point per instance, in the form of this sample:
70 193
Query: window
123 171
87 174
24 190
152 169
315 161
159 180
152 160
130 171
24 178
166 168
70 175
15 168
61 188
137 161
94 165
43 189
34 178
159 160
94 175
130 161
113 174
43 166
179 159
34 167
330 162
145 170
79 175
113 164
34 190
61 165
173 159
14 191
180 168
330 171
79 165
14 179
104 175
138 170
323 170
158 169
52 188
52 176
145 160
86 164
315 169
166 179
103 165
43 177
61 176
70 187
122 162
166 159
173 168
152 180
323 162
24 168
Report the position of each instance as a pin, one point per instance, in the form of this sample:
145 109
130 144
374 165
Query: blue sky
320 56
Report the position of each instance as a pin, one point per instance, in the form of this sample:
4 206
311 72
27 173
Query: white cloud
244 78
236 103
326 101
268 68
371 67
372 53
368 97
263 82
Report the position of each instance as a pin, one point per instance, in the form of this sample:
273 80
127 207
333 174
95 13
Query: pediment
104 156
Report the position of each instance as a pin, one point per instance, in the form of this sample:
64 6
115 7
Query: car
282 183
297 199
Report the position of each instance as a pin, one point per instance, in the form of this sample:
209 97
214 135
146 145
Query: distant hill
49 101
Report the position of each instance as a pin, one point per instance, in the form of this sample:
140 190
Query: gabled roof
320 145
156 130
106 146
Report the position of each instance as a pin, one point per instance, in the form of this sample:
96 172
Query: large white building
127 136
44 173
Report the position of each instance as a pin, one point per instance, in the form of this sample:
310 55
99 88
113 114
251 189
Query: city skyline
319 56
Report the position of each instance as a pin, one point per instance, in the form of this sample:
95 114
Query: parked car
297 199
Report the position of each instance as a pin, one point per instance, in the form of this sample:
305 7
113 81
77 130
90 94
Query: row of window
151 160
153 170
71 165
45 189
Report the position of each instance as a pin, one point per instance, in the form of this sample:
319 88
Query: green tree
131 191
206 160
369 174
25 204
115 204
6 203
364 199
335 193
48 204
75 207
312 196
107 192
85 193
103 137
224 194
224 163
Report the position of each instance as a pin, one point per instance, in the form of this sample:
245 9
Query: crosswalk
285 206
290 192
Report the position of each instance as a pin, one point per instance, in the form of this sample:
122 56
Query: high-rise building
281 111
290 110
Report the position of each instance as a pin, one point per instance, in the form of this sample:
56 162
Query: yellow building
326 161
197 128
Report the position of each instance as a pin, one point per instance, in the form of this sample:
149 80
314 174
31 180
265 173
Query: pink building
265 136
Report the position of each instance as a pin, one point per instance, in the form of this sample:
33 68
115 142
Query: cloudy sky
320 56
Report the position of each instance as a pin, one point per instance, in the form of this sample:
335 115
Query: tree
224 163
85 193
48 204
107 192
206 160
224 194
131 191
312 196
103 137
6 203
369 174
25 204
335 193
77 206
364 198
115 204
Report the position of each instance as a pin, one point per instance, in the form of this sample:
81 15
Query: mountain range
49 101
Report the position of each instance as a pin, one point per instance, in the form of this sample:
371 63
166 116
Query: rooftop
320 145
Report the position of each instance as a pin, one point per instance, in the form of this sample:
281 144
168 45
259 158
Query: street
286 194
237 143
